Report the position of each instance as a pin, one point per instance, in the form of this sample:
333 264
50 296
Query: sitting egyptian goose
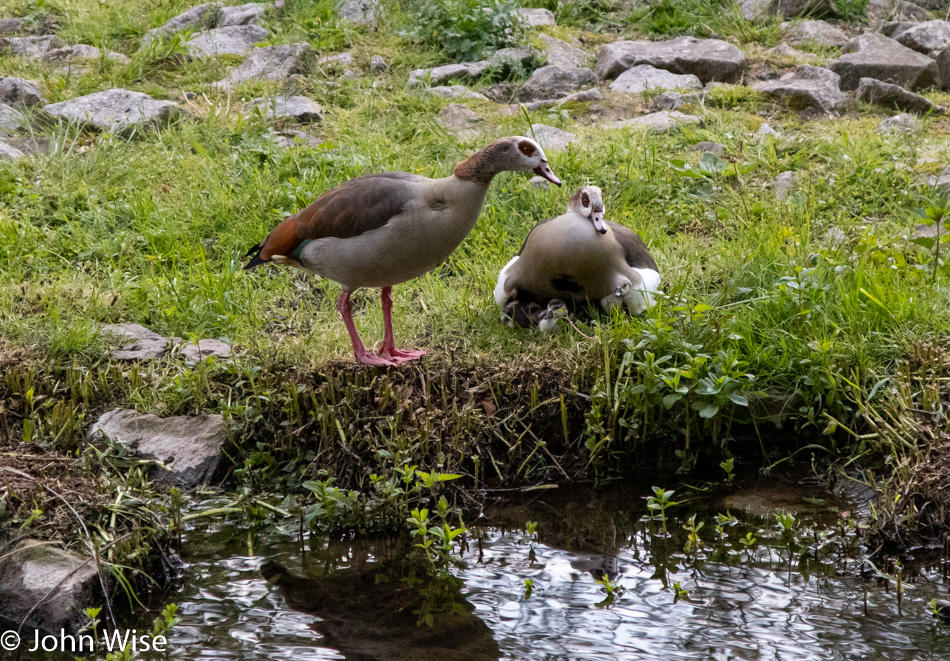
574 258
381 229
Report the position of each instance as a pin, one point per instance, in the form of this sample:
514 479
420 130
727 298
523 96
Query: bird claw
368 358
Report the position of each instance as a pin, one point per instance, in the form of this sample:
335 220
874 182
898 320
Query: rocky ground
771 153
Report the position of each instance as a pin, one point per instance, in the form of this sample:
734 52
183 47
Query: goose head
512 154
588 201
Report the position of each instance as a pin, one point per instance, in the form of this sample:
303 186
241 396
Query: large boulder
191 447
298 108
47 588
562 54
232 40
926 37
20 92
82 52
806 87
943 67
501 59
533 18
896 10
461 121
271 63
9 152
12 26
756 10
658 122
903 123
889 95
552 138
32 47
248 14
707 59
197 18
360 12
114 109
551 82
818 32
873 55
644 76
11 119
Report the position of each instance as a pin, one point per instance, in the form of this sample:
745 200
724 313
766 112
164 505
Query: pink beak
544 170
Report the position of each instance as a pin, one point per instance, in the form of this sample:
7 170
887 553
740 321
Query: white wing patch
501 294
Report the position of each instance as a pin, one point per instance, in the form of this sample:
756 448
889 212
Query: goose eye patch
526 148
585 200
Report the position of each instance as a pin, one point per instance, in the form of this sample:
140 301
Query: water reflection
766 600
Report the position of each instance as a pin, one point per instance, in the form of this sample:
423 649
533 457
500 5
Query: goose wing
635 250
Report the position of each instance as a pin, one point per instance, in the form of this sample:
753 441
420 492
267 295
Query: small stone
926 37
293 138
658 122
709 147
817 32
765 129
113 110
11 26
643 77
377 64
943 67
562 54
145 344
593 94
11 119
82 52
896 10
707 59
807 86
892 96
233 40
299 108
196 353
9 152
551 82
756 10
49 589
503 59
454 92
336 61
32 47
783 184
360 12
940 182
795 8
894 29
534 18
835 235
196 18
271 63
539 182
784 50
461 121
20 92
875 56
551 138
190 446
667 101
501 92
249 14
903 123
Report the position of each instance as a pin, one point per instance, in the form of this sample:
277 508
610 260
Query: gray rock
113 110
784 50
454 92
190 446
894 29
377 64
765 129
795 8
756 10
11 119
61 585
552 138
708 59
806 87
20 92
592 94
501 92
11 26
9 152
196 18
819 32
943 68
642 77
461 121
903 123
930 231
337 60
292 138
873 55
32 47
271 63
709 147
298 108
196 353
81 52
360 12
941 181
896 10
551 82
926 37
658 122
892 96
836 235
139 343
233 40
539 182
783 184
248 14
533 18
562 54
470 70
667 101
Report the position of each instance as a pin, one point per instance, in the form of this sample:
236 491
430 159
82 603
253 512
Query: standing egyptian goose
574 258
379 230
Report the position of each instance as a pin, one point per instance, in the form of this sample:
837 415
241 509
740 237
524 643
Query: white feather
641 296
501 295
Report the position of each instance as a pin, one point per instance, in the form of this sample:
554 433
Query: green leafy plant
935 216
659 502
464 30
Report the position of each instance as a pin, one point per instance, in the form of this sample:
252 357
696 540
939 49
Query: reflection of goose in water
599 566
368 615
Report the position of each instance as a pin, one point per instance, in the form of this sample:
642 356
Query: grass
764 308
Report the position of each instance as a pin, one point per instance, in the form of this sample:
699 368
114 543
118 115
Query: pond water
742 602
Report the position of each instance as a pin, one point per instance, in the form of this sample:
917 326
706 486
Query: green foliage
464 30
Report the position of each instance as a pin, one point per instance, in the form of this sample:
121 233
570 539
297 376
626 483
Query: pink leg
362 355
389 349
